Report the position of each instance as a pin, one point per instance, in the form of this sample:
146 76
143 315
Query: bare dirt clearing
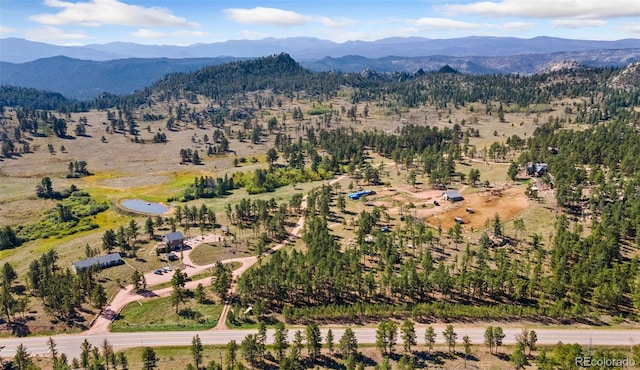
485 205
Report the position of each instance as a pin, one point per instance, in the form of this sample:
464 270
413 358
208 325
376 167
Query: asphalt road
70 344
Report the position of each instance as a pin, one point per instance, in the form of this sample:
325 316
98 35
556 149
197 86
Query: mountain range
83 72
17 50
86 79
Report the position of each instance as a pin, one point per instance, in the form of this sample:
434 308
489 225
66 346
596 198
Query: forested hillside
84 79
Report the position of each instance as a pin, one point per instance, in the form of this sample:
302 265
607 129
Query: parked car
158 272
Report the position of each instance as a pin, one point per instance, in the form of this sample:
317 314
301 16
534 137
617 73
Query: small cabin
173 240
452 196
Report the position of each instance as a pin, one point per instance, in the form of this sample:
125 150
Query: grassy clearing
494 172
159 315
157 187
207 253
538 219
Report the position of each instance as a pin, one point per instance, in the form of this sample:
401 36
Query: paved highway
70 344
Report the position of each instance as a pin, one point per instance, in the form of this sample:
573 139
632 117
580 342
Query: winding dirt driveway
127 295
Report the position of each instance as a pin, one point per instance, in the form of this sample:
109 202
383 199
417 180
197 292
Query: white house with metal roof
112 259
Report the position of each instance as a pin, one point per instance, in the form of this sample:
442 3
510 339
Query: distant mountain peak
447 69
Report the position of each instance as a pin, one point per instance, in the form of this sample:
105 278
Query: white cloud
7 30
53 34
517 26
336 23
109 12
583 9
261 15
282 18
578 23
633 28
444 23
145 33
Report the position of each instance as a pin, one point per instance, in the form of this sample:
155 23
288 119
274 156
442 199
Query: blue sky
185 22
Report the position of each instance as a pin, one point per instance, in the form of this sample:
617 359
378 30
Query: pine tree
408 333
488 338
123 361
149 229
85 352
22 359
498 336
197 350
107 351
149 358
298 338
518 358
450 337
221 280
386 336
53 351
466 342
232 353
178 293
280 340
329 339
261 338
314 338
348 343
512 173
429 338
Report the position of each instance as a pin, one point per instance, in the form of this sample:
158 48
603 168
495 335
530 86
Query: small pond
137 205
